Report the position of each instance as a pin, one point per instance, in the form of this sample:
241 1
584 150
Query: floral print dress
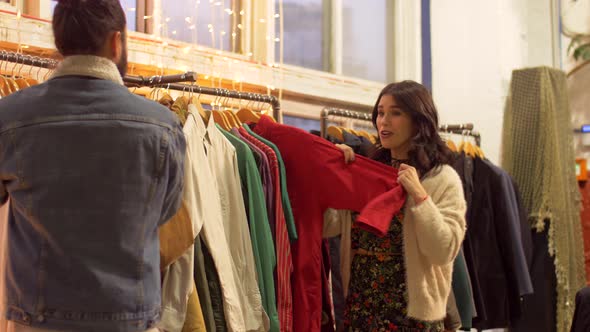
377 296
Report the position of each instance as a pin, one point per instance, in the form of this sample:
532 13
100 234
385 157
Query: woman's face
395 127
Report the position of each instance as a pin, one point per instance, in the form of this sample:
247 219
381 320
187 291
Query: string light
242 12
132 9
262 20
188 20
240 26
277 15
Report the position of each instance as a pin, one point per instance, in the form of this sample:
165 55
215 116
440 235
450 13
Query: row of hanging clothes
224 255
230 257
245 250
491 273
227 248
249 228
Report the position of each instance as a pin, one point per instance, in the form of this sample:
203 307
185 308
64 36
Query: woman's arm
440 219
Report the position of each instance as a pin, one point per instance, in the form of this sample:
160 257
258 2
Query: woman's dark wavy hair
427 151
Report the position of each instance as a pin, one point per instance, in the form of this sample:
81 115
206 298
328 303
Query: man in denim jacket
91 171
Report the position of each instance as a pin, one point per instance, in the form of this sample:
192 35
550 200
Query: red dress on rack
317 179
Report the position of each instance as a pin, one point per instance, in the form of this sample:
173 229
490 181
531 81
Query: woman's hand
408 178
348 152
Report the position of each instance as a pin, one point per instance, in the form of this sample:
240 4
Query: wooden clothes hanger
218 116
246 114
197 102
335 132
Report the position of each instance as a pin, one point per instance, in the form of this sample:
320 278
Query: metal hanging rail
462 129
326 112
171 81
233 94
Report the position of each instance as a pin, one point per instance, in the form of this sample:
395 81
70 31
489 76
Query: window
303 36
357 43
365 39
210 23
301 123
130 8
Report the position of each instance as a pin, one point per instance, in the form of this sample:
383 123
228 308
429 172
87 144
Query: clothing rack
34 61
233 94
465 129
327 111
171 81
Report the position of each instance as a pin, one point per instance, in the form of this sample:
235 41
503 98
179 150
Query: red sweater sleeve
364 185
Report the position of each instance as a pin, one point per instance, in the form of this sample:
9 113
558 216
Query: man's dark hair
80 27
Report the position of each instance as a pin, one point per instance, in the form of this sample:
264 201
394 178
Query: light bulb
240 26
262 20
277 15
167 19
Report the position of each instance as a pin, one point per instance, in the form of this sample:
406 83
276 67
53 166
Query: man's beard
122 65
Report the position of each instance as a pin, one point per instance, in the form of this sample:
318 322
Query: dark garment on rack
327 306
453 319
352 141
463 164
462 290
367 147
581 321
495 247
215 292
200 276
338 299
539 309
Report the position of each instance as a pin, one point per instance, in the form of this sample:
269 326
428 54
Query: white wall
475 47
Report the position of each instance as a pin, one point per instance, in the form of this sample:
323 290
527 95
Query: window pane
204 22
365 39
129 6
303 36
301 123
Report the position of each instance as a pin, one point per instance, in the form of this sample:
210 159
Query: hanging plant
579 47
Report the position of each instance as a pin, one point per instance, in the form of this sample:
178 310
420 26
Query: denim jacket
92 171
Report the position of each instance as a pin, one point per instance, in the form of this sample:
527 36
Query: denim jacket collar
89 65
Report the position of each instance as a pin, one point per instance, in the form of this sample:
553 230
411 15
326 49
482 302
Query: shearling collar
88 65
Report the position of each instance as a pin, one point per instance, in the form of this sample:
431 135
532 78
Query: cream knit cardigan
433 234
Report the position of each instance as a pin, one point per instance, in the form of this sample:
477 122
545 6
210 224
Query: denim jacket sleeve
176 155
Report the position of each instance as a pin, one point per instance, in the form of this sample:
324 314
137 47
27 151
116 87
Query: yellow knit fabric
538 153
